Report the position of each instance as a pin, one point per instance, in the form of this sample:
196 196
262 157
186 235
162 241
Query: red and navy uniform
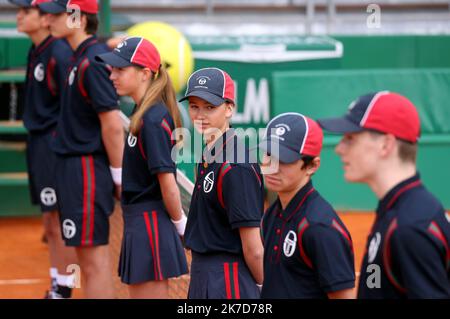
46 71
151 247
88 92
84 183
228 195
308 251
409 243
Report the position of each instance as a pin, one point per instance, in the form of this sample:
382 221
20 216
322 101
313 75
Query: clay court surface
24 257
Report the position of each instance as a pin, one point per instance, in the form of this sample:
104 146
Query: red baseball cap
384 111
60 6
133 51
27 3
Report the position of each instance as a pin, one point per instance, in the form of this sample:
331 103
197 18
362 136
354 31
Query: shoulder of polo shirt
243 166
95 49
418 208
318 210
405 230
239 169
61 51
405 234
156 113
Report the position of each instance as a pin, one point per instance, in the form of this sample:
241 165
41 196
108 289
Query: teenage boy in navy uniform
46 71
308 252
226 207
89 141
407 254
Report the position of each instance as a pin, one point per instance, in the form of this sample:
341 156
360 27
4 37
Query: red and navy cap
60 6
384 111
133 51
27 3
212 85
296 136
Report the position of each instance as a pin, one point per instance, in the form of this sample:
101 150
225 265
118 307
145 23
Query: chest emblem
132 140
289 244
72 75
39 73
208 182
373 247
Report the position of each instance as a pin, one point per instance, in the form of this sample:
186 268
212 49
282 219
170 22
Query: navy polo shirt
308 252
146 155
46 72
228 195
88 91
409 244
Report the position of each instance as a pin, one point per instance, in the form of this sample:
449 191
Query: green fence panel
251 61
432 163
328 93
14 48
15 201
367 52
395 51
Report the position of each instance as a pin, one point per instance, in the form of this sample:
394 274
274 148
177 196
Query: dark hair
41 13
307 161
91 23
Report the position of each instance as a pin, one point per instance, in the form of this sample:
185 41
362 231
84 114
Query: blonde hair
160 88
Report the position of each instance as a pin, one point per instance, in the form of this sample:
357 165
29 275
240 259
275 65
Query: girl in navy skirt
154 221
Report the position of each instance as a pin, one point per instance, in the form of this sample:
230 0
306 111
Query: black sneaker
49 294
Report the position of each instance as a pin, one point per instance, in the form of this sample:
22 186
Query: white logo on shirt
39 72
72 75
373 247
132 140
69 228
289 243
208 182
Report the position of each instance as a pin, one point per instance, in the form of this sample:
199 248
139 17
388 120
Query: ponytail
159 88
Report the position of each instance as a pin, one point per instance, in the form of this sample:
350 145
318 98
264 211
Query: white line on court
5 282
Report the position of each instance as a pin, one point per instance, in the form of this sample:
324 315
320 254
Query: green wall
416 66
408 51
319 94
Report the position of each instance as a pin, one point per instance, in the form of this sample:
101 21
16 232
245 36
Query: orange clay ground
24 257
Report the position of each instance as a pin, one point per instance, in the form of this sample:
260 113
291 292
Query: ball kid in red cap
90 139
47 65
151 201
410 237
227 204
308 252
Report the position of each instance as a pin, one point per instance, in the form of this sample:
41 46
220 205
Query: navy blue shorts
221 276
41 162
151 247
85 192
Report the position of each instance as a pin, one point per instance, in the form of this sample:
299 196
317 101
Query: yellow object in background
173 47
